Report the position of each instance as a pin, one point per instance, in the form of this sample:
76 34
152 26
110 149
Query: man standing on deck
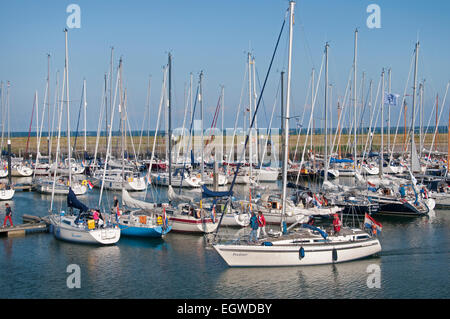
116 208
261 225
337 224
8 215
254 225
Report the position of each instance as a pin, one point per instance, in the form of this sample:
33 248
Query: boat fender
301 253
267 243
334 254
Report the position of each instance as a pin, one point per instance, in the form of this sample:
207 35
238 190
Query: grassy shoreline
19 144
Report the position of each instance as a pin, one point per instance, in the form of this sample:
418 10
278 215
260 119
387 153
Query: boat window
66 222
362 237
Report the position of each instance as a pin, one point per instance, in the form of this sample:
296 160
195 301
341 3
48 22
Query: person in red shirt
8 215
337 224
261 224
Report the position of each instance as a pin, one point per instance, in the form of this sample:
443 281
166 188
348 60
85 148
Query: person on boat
116 208
254 225
8 215
96 217
402 191
261 224
424 192
311 221
337 224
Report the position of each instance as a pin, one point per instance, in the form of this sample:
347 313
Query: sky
214 37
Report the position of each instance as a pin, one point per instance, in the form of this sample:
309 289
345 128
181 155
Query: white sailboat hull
107 236
6 194
289 254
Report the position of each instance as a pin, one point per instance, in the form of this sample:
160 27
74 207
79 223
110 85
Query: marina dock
32 224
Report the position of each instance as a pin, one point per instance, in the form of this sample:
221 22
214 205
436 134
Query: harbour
147 189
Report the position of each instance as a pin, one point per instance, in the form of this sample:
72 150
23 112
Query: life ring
84 182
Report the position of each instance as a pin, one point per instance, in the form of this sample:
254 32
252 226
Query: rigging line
78 122
401 106
253 119
316 91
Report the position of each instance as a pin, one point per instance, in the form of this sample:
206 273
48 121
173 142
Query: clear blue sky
214 36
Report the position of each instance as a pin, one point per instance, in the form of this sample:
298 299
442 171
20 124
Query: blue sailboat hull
151 232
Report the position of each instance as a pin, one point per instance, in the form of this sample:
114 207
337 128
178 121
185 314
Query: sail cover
343 160
131 202
72 201
209 193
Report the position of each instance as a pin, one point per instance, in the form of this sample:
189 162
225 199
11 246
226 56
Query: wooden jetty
31 224
24 188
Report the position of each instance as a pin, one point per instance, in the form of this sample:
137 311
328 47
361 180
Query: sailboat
81 227
305 245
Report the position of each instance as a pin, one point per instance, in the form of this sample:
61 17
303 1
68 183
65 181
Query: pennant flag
391 99
371 223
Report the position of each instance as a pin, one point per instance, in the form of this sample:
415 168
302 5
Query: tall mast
288 103
48 105
223 115
312 102
380 171
282 118
414 106
421 88
354 99
110 92
169 109
200 98
250 148
68 109
85 110
389 111
325 173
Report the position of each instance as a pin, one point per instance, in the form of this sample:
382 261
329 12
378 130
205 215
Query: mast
325 173
250 148
169 109
200 98
288 103
110 92
68 109
389 112
380 170
312 102
421 87
354 99
48 105
414 107
282 118
85 115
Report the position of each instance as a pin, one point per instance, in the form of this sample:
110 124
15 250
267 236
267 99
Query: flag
391 99
90 185
371 223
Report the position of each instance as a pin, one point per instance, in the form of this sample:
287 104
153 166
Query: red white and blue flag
371 223
90 185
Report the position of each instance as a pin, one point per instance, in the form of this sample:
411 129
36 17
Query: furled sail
131 202
175 197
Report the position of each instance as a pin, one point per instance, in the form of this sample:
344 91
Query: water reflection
346 280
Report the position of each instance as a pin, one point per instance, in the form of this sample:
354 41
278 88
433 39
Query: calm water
414 264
